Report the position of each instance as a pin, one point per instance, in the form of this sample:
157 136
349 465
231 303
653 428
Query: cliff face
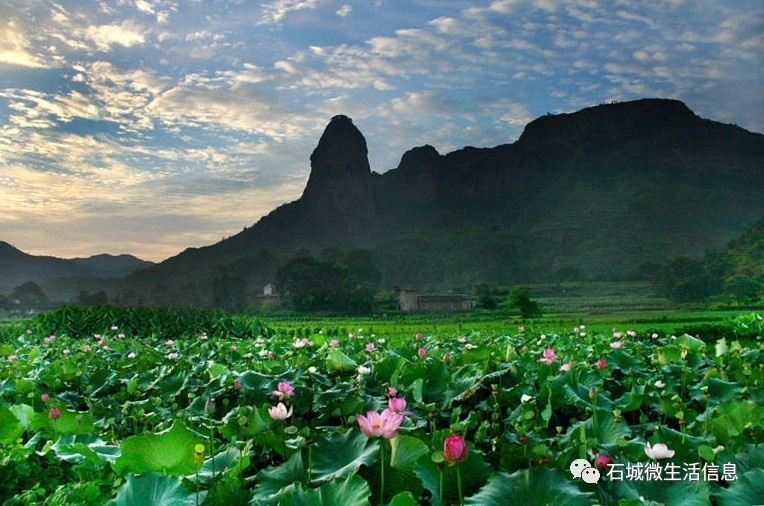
339 191
594 194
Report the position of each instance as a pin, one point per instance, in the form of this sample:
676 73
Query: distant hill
111 266
599 194
17 267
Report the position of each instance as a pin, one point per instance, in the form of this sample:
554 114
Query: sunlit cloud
14 48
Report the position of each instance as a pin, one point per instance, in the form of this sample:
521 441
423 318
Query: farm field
146 406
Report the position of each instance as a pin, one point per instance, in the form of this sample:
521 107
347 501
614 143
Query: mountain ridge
594 194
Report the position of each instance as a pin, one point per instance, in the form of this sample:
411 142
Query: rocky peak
420 159
340 157
339 187
624 119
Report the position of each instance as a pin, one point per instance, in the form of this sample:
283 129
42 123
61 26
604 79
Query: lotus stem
459 484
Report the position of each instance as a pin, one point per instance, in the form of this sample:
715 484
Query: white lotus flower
659 451
659 384
279 412
525 398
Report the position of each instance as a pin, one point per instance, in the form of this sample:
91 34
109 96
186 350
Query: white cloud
14 47
276 11
344 11
125 34
426 102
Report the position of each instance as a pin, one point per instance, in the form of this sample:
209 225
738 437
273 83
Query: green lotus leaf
11 427
403 499
538 486
153 489
747 489
350 491
338 361
168 452
667 493
342 455
275 482
75 448
732 418
69 422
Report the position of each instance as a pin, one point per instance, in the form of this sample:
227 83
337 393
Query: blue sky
149 126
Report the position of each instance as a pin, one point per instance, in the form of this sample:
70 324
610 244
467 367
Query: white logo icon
581 468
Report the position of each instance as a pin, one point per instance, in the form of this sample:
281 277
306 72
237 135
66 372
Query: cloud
14 48
344 11
274 12
424 103
126 34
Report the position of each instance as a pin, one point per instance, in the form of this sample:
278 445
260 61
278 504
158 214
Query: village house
410 301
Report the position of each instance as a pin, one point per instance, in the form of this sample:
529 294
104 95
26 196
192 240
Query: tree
29 293
684 280
520 299
229 292
343 283
485 298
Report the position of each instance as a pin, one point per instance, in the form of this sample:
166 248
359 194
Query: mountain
599 194
111 266
18 267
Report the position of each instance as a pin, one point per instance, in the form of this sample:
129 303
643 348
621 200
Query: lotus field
141 407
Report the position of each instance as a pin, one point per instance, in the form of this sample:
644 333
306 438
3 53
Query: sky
150 126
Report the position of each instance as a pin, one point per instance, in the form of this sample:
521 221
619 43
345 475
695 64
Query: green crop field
188 407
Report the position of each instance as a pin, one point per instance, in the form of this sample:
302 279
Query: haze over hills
19 267
602 193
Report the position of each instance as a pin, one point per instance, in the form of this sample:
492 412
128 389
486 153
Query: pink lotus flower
565 367
11 358
169 342
576 330
659 451
421 352
86 347
370 347
391 392
521 329
233 347
398 406
376 425
54 413
454 449
418 336
114 327
44 397
279 412
284 389
334 343
237 385
601 364
616 345
548 356
602 461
